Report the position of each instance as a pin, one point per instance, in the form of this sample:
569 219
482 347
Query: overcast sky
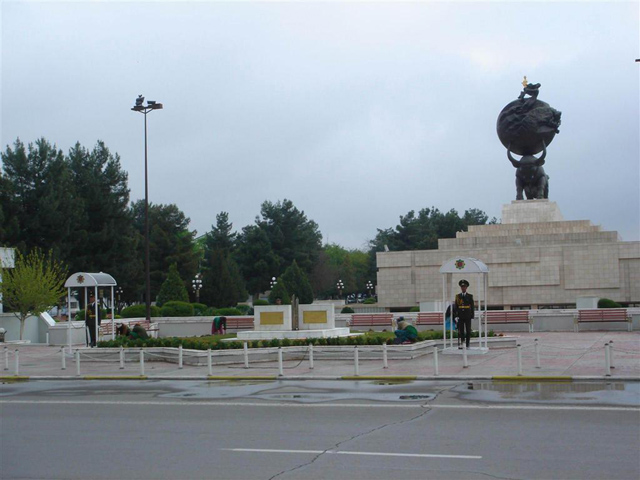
357 112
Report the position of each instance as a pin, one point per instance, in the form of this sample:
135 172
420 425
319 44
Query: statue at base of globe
526 127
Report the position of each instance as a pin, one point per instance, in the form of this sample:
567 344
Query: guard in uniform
464 311
91 319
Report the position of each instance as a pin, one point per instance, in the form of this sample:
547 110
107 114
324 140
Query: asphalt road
318 430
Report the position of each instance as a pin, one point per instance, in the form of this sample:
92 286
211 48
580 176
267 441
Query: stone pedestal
531 211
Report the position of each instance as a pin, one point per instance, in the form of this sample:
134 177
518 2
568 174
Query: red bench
371 320
602 315
508 317
429 318
239 323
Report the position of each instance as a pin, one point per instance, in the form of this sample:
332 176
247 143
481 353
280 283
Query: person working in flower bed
406 333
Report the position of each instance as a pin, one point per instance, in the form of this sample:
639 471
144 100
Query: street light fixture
370 287
197 285
140 107
340 287
119 292
273 282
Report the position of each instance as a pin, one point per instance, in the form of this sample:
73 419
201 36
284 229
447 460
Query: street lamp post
197 285
145 109
340 287
369 287
119 293
273 282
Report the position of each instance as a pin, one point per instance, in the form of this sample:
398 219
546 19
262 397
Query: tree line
77 206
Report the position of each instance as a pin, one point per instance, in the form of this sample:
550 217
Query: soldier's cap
463 283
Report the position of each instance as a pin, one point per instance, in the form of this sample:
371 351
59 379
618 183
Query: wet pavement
577 355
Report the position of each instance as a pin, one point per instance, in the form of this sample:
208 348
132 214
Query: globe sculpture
526 127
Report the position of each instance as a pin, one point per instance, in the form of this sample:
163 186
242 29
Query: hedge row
214 343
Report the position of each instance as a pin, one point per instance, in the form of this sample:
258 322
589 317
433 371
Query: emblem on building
80 279
459 264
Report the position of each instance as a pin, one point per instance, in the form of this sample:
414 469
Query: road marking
375 454
192 403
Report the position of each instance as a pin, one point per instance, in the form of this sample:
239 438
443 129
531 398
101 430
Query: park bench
602 315
371 320
239 323
508 317
429 318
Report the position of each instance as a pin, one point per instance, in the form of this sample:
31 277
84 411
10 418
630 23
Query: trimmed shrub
347 310
139 311
608 303
228 312
80 314
414 309
244 308
177 309
369 301
260 302
199 309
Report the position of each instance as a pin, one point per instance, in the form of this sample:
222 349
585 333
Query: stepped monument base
536 258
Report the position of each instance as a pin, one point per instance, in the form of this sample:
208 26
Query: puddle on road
617 393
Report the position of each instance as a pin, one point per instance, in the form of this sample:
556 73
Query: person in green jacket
406 333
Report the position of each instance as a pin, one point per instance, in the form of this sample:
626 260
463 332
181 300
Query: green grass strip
13 378
115 377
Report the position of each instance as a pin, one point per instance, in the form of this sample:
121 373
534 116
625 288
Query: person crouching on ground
406 333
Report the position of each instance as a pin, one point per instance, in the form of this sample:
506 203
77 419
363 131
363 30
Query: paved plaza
577 355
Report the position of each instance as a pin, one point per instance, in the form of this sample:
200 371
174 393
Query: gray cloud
356 112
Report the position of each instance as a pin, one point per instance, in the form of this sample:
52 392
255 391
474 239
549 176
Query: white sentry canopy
88 280
465 265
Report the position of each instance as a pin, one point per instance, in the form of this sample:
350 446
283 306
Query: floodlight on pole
145 109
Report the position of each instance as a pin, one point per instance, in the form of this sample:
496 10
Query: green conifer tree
297 283
279 290
173 288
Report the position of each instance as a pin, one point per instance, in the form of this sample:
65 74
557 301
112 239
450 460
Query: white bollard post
607 360
6 358
519 359
209 363
78 362
385 358
180 357
356 367
17 354
465 363
311 356
435 361
246 355
141 362
280 366
537 347
121 357
63 358
611 353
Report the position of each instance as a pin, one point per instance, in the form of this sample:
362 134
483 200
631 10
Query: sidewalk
563 355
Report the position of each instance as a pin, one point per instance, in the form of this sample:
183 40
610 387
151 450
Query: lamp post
273 282
370 287
340 287
197 285
119 293
145 109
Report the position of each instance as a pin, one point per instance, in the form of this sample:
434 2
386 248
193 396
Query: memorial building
536 260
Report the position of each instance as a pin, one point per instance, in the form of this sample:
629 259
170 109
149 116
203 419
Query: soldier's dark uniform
464 310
